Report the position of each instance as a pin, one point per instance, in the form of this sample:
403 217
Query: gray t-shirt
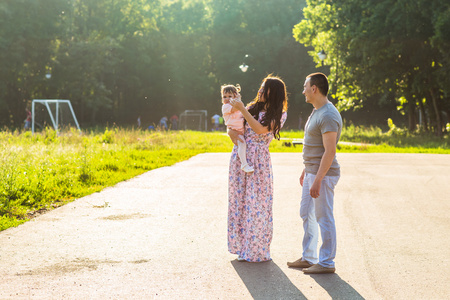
322 120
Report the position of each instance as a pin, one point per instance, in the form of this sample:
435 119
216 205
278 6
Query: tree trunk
424 115
411 114
93 115
436 111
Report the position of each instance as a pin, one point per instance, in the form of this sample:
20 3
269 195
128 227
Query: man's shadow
336 287
266 281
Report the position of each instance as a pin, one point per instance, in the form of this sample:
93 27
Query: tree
118 59
27 30
380 50
261 30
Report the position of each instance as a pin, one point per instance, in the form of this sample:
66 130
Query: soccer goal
56 113
194 120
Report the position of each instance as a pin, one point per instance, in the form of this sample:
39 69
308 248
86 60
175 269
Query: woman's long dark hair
275 95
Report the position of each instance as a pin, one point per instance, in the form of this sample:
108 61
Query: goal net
194 120
54 113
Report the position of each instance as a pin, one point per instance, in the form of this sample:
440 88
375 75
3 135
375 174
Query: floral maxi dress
250 198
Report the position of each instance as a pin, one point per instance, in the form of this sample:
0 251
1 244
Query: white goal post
54 108
194 120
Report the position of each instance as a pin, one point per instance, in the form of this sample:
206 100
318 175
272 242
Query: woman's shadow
267 281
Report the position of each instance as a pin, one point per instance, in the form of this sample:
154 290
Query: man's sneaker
318 269
299 263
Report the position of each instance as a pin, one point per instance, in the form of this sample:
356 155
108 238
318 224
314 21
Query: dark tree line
118 59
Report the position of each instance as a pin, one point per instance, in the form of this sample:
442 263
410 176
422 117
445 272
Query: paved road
162 235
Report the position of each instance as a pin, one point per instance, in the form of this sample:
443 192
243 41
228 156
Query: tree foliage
383 51
118 59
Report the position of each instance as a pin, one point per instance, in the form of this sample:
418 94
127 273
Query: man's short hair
320 80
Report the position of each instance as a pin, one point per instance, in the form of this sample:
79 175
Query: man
318 179
28 119
163 123
174 122
216 122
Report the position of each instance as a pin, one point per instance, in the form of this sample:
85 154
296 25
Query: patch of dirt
36 213
105 205
69 267
126 217
141 261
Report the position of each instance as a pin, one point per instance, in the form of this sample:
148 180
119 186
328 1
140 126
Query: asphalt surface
162 235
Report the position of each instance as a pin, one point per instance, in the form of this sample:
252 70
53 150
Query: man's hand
302 177
234 136
329 143
315 188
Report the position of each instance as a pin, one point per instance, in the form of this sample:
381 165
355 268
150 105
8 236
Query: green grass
374 140
43 171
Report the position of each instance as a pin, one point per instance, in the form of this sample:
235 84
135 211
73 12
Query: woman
250 195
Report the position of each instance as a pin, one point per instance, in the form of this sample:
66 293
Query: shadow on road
336 287
266 281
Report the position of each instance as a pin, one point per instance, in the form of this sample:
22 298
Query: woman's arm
227 108
254 124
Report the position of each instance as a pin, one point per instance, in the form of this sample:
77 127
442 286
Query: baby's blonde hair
229 88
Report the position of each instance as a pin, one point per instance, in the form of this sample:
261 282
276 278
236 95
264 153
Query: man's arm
329 143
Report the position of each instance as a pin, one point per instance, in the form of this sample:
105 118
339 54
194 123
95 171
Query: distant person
221 123
27 121
234 120
250 196
174 122
319 177
139 122
216 121
163 122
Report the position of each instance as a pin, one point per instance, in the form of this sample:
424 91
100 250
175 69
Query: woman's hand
234 136
237 103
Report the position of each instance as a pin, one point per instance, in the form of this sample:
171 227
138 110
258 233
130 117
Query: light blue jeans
315 213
